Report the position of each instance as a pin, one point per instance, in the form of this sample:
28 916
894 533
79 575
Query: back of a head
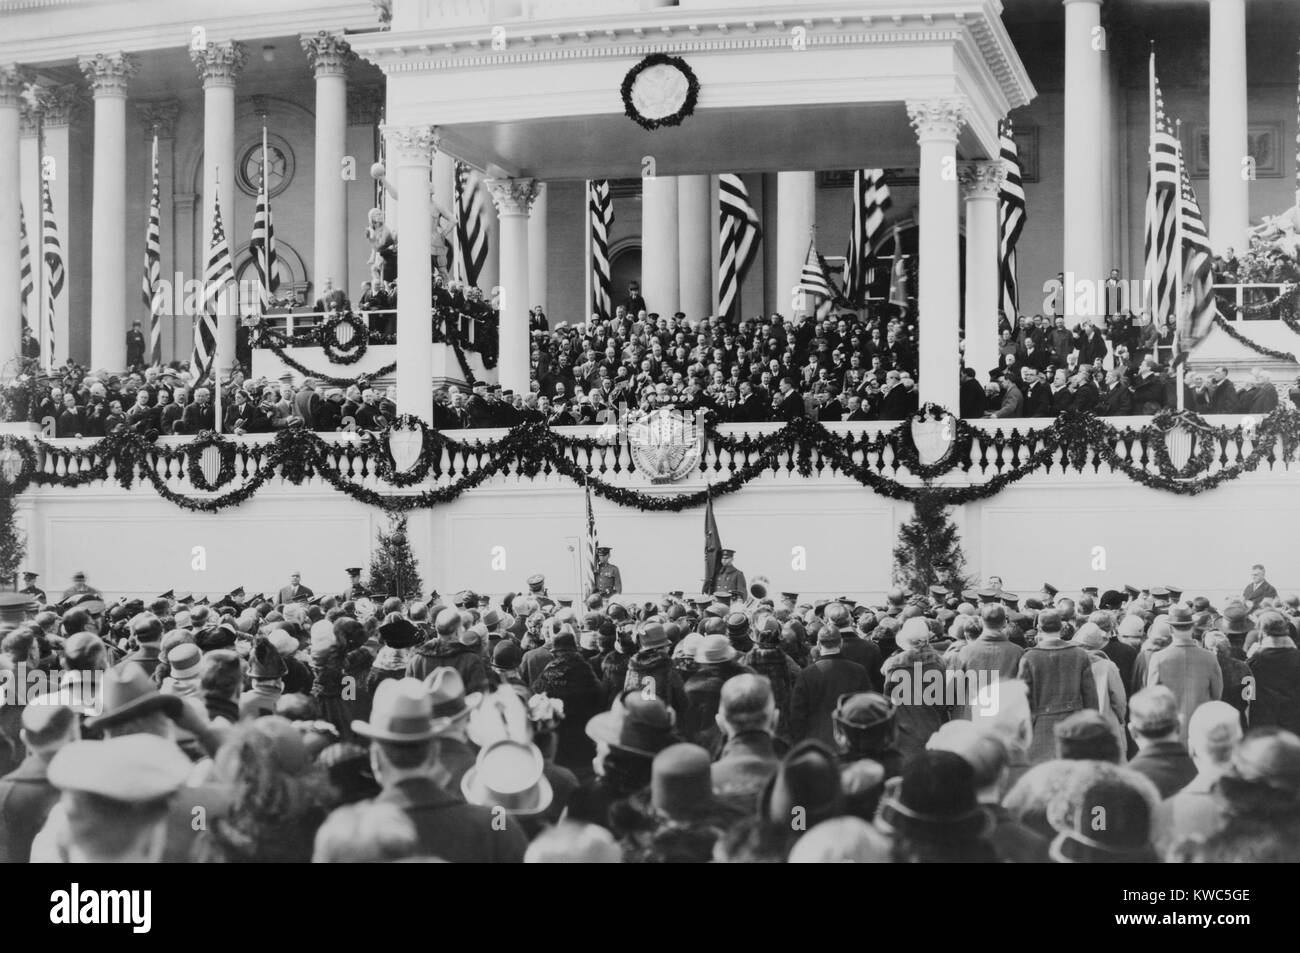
571 842
366 833
1153 712
994 615
829 640
448 624
104 830
147 628
746 702
84 652
1003 709
1214 731
983 750
221 673
842 840
1086 736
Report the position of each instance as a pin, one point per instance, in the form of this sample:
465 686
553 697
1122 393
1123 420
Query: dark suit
454 831
1091 348
971 400
134 348
26 797
816 692
198 417
1167 765
789 406
1038 400
1223 398
1254 593
865 653
1086 398
299 593
1115 402
1148 390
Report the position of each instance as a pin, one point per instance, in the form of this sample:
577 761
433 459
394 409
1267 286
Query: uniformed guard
537 590
31 589
609 581
355 589
731 578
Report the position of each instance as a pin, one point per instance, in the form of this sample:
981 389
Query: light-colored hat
402 711
135 769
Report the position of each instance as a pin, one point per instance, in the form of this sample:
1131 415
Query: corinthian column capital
328 53
219 64
939 118
108 73
513 196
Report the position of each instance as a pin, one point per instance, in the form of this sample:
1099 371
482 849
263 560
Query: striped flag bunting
1161 271
471 226
218 274
27 282
1199 307
54 273
739 236
600 210
1011 221
814 281
153 299
871 200
262 243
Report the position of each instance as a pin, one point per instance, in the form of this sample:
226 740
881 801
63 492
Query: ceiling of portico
844 136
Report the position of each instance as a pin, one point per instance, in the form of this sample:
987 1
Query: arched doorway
909 236
624 267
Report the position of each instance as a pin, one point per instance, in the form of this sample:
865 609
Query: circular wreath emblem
194 461
386 466
327 337
661 90
1203 451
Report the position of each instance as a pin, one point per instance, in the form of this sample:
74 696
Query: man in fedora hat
609 580
26 794
1192 673
404 755
146 630
452 706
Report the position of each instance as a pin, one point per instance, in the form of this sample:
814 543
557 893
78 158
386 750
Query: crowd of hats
515 695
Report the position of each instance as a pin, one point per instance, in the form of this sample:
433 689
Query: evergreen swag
393 569
13 547
929 549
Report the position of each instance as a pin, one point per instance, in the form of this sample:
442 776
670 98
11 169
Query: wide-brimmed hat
446 688
636 725
509 775
934 799
1100 790
402 711
1180 618
715 649
399 633
129 693
1235 619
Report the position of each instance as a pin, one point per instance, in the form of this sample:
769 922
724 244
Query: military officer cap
790 596
701 600
677 594
728 552
536 583
970 595
988 595
1174 592
133 769
1111 599
603 550
1090 590
1132 591
79 574
31 575
354 571
1160 592
722 595
169 595
565 603
184 598
14 605
819 607
1010 599
1050 589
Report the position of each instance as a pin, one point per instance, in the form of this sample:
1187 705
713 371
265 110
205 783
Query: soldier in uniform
537 589
355 589
30 589
79 588
730 578
609 581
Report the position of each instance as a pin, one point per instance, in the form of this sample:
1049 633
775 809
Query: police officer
537 590
609 581
31 589
355 589
730 578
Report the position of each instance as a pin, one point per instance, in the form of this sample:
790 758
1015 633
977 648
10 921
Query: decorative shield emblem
406 445
1178 443
210 463
933 438
665 445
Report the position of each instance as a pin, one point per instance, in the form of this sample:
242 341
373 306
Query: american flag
54 273
471 226
1161 271
898 276
870 202
219 273
27 284
740 234
600 207
153 299
592 542
813 280
1011 221
262 243
1199 307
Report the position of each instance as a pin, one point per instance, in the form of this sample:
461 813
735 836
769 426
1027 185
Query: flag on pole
600 210
262 243
739 236
471 226
53 254
870 202
591 544
1011 221
27 283
712 547
153 298
1161 271
813 280
1198 270
218 274
898 276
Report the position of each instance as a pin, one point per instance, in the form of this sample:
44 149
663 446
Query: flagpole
154 318
40 289
585 572
1178 271
214 363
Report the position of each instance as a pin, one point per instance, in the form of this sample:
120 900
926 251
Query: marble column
796 206
938 122
694 201
330 57
219 66
660 279
1229 220
108 74
980 184
1083 221
11 87
514 200
538 250
410 151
